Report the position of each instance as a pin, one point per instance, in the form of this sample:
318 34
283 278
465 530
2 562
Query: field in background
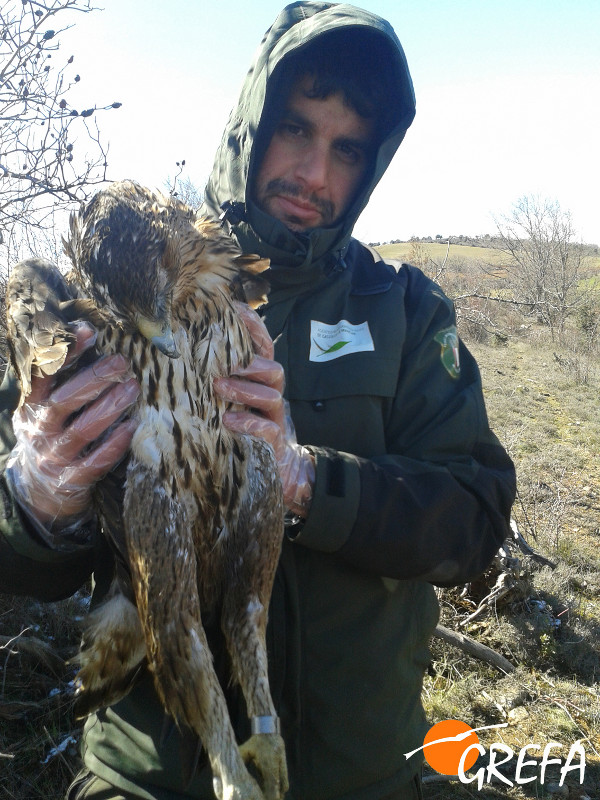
404 251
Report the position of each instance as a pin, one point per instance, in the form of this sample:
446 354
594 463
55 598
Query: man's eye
291 129
350 153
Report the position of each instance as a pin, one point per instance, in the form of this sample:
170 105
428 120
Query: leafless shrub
544 262
50 152
185 189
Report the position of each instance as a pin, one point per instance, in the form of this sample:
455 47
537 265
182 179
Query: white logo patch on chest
334 341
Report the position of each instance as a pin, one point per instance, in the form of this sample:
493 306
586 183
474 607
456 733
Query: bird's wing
254 288
36 299
241 270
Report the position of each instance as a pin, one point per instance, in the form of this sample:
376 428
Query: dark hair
349 62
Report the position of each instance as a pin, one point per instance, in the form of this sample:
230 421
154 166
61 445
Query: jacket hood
250 127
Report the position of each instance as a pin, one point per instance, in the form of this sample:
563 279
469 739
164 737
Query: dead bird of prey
202 514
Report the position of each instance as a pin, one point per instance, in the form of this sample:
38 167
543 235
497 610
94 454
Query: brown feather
38 337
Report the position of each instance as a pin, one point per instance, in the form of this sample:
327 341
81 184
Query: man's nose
312 168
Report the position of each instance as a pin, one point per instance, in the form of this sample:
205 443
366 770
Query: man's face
315 161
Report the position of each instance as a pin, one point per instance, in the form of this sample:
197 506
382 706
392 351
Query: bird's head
121 246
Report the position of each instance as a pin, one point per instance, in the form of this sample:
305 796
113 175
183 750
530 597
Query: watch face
293 524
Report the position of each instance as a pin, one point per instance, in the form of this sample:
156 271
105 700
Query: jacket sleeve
27 565
437 505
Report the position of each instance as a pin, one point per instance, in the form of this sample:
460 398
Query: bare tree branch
474 648
545 263
45 163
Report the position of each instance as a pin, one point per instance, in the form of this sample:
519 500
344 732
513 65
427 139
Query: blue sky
507 92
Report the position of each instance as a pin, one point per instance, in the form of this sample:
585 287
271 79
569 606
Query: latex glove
69 437
259 387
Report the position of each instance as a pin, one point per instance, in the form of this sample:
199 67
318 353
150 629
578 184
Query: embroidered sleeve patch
333 341
448 339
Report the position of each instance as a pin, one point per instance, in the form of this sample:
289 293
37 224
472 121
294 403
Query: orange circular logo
445 755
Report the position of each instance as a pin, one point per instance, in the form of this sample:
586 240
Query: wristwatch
293 524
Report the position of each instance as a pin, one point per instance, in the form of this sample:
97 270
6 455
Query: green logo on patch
333 349
448 339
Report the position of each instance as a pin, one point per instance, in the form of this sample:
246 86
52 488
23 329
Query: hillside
405 251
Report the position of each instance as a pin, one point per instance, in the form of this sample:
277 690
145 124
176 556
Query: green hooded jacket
412 488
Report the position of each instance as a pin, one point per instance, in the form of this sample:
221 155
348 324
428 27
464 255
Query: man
394 481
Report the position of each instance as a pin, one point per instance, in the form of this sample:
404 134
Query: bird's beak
160 334
166 344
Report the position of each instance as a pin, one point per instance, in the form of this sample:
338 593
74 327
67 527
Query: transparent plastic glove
259 387
68 437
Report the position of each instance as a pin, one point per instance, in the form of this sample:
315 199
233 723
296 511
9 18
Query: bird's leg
244 622
163 566
245 633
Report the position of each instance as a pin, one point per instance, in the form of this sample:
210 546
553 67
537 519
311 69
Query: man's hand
65 436
259 387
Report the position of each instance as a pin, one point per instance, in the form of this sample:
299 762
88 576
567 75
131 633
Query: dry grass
405 251
38 736
550 423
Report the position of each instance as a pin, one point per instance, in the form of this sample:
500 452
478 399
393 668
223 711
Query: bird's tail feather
112 653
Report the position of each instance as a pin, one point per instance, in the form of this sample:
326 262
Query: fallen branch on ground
473 648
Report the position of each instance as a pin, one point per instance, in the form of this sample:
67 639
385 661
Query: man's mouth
295 207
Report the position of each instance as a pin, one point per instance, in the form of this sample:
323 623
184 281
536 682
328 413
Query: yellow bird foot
267 752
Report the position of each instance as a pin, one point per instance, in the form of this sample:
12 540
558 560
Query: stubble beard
279 186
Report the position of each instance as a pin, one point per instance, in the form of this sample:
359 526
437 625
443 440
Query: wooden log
473 648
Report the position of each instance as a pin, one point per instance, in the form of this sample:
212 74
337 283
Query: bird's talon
267 752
